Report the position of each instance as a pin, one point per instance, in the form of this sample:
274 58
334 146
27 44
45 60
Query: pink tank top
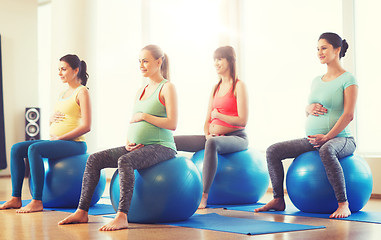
227 105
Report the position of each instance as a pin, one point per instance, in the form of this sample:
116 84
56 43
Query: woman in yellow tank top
70 121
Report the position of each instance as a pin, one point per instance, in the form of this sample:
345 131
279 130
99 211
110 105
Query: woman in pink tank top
225 122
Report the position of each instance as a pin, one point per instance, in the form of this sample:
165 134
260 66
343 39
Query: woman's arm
168 94
350 98
208 116
83 99
242 108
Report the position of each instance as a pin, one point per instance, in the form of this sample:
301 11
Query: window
188 31
279 62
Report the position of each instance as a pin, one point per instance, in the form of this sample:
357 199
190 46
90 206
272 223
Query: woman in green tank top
149 140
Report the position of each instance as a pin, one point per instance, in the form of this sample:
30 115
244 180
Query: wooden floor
43 225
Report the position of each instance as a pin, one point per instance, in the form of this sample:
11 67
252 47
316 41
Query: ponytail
82 74
344 47
165 67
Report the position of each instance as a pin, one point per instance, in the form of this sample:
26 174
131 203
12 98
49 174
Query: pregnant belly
317 125
220 130
62 127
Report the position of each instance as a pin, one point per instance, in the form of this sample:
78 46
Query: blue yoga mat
256 205
23 202
361 216
216 222
97 209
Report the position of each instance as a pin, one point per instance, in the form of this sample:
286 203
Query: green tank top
146 133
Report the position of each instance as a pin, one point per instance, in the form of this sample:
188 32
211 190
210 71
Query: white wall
18 29
375 165
115 78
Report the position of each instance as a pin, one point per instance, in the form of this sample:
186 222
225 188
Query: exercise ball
241 177
310 191
166 192
63 182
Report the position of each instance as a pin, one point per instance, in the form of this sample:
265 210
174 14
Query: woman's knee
211 144
327 149
93 159
273 151
34 148
125 162
17 148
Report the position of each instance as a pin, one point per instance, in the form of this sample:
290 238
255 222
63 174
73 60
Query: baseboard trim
372 196
375 196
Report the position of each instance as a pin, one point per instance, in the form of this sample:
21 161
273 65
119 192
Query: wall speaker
32 123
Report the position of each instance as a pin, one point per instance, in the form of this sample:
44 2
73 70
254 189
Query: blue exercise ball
310 191
241 177
63 182
166 192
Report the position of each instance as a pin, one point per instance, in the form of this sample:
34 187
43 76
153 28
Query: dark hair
228 53
336 41
158 53
75 62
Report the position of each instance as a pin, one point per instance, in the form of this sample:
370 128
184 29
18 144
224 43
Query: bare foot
277 204
119 222
33 206
204 201
342 211
79 216
14 202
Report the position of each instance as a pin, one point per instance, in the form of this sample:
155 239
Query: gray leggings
330 153
231 142
126 162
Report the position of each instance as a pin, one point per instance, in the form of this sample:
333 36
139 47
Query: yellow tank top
72 111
